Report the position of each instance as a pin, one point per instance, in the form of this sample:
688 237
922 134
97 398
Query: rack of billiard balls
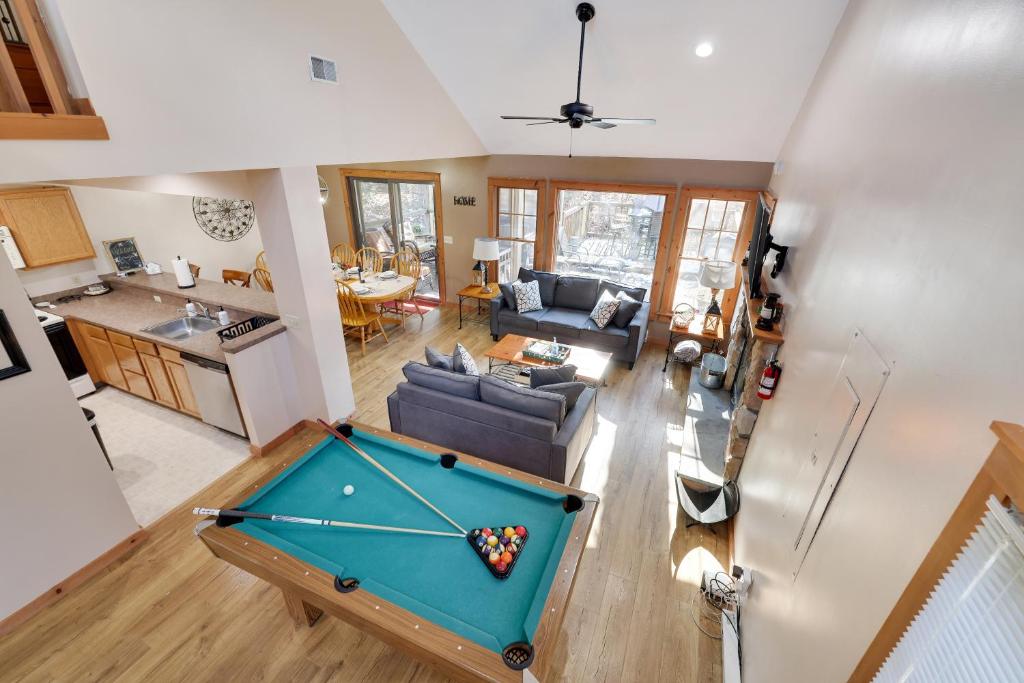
499 548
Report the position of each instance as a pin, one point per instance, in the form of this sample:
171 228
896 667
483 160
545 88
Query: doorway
389 211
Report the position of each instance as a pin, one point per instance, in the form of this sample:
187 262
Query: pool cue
319 522
366 456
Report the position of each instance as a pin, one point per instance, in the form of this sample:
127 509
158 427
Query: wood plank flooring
173 612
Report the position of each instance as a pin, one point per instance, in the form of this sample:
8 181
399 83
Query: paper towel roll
183 274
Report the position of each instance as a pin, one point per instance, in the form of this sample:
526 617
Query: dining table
375 290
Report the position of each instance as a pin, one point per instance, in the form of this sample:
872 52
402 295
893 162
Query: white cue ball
349 489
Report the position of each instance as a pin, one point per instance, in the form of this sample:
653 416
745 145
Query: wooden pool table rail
309 591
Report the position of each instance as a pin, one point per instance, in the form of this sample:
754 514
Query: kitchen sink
182 328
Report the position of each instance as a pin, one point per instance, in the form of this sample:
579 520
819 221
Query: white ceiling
520 58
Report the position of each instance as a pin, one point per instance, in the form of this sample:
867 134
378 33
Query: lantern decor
716 275
485 249
478 273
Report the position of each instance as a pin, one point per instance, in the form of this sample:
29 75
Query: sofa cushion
546 282
436 359
637 293
527 296
511 396
508 293
579 293
628 306
522 321
604 309
556 375
563 322
610 337
570 390
454 383
462 361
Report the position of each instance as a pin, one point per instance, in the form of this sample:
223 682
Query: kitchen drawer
145 347
128 359
138 384
169 354
93 331
122 339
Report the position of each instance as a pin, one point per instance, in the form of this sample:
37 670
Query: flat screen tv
760 243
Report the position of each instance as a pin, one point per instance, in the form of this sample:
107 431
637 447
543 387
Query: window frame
495 184
686 197
670 192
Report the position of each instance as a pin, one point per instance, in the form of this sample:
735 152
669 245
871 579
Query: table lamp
716 275
485 249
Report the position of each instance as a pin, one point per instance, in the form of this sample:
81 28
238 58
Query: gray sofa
568 301
490 418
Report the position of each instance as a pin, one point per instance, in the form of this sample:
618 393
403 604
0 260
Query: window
610 231
714 225
514 220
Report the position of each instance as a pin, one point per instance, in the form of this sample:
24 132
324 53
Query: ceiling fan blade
619 122
542 123
533 118
598 123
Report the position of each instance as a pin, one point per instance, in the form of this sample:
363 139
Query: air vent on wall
323 70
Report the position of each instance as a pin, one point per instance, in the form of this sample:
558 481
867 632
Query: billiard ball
501 566
492 541
506 557
485 531
349 489
481 541
512 549
520 531
505 540
494 558
509 531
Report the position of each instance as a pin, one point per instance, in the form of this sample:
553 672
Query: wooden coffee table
591 364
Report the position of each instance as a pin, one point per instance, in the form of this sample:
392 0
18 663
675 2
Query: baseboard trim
70 583
259 451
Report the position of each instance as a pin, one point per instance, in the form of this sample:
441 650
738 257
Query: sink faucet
204 311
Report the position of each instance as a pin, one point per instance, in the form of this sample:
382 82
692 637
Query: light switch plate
448 239
292 320
156 298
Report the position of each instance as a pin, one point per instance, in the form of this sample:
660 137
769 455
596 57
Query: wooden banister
1002 476
44 55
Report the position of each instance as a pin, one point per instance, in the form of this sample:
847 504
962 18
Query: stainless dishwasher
211 385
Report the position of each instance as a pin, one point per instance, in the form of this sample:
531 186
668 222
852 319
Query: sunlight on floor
691 568
597 465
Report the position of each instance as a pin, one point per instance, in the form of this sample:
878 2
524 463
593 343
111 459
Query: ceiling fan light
704 50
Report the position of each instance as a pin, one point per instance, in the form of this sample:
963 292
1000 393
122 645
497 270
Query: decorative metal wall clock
226 220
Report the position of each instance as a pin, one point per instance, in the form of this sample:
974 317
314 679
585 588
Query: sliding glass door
390 213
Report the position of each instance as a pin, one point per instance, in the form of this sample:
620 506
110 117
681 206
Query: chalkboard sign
124 254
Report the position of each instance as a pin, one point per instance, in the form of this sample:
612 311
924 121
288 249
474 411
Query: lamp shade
718 274
485 249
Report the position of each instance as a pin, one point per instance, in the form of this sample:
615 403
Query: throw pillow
628 306
605 310
462 361
546 282
527 296
509 294
571 390
436 359
541 376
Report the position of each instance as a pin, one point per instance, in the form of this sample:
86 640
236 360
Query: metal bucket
712 370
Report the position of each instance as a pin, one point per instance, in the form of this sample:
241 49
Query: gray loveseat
568 301
490 418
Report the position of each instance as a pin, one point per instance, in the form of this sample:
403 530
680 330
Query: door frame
413 176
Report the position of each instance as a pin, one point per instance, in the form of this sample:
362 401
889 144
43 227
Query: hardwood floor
171 611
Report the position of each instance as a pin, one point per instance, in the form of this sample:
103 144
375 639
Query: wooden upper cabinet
46 226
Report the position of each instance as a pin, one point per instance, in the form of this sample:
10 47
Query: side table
694 331
475 292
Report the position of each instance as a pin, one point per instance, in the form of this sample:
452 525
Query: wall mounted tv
760 243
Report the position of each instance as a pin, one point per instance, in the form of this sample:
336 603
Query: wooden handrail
1002 476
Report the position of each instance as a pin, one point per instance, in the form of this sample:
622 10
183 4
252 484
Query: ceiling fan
577 113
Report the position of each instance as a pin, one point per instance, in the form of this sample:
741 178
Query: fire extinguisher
769 380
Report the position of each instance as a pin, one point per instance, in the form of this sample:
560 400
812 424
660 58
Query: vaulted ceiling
520 58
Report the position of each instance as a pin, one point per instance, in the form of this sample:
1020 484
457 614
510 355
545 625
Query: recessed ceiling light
704 50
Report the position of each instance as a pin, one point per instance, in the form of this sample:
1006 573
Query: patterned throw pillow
462 361
605 309
527 296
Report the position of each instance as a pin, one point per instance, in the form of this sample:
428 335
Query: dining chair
261 260
370 259
194 269
344 255
354 316
406 262
262 277
426 258
236 277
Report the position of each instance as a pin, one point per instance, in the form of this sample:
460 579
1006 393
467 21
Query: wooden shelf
753 310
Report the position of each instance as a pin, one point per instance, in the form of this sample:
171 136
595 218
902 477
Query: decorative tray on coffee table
546 351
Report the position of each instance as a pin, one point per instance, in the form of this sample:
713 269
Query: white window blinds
972 626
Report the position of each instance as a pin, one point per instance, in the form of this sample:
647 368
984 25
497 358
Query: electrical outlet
156 298
448 239
292 321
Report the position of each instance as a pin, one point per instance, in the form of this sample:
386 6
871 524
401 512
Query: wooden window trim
670 193
675 250
420 176
493 185
72 119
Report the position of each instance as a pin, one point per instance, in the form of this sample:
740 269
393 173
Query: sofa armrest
497 304
638 332
573 437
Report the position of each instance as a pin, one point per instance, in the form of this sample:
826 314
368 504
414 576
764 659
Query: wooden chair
236 277
344 255
370 259
194 269
262 277
261 260
354 316
406 262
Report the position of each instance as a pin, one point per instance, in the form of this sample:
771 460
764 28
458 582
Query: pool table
430 596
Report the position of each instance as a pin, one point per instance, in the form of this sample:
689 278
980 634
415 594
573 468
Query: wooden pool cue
319 522
366 456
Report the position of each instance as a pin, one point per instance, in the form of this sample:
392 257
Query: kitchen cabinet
182 387
159 379
46 225
131 367
101 353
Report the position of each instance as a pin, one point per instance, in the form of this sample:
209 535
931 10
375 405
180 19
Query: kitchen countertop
208 292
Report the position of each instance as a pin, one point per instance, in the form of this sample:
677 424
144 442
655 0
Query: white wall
206 86
900 194
163 226
59 503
